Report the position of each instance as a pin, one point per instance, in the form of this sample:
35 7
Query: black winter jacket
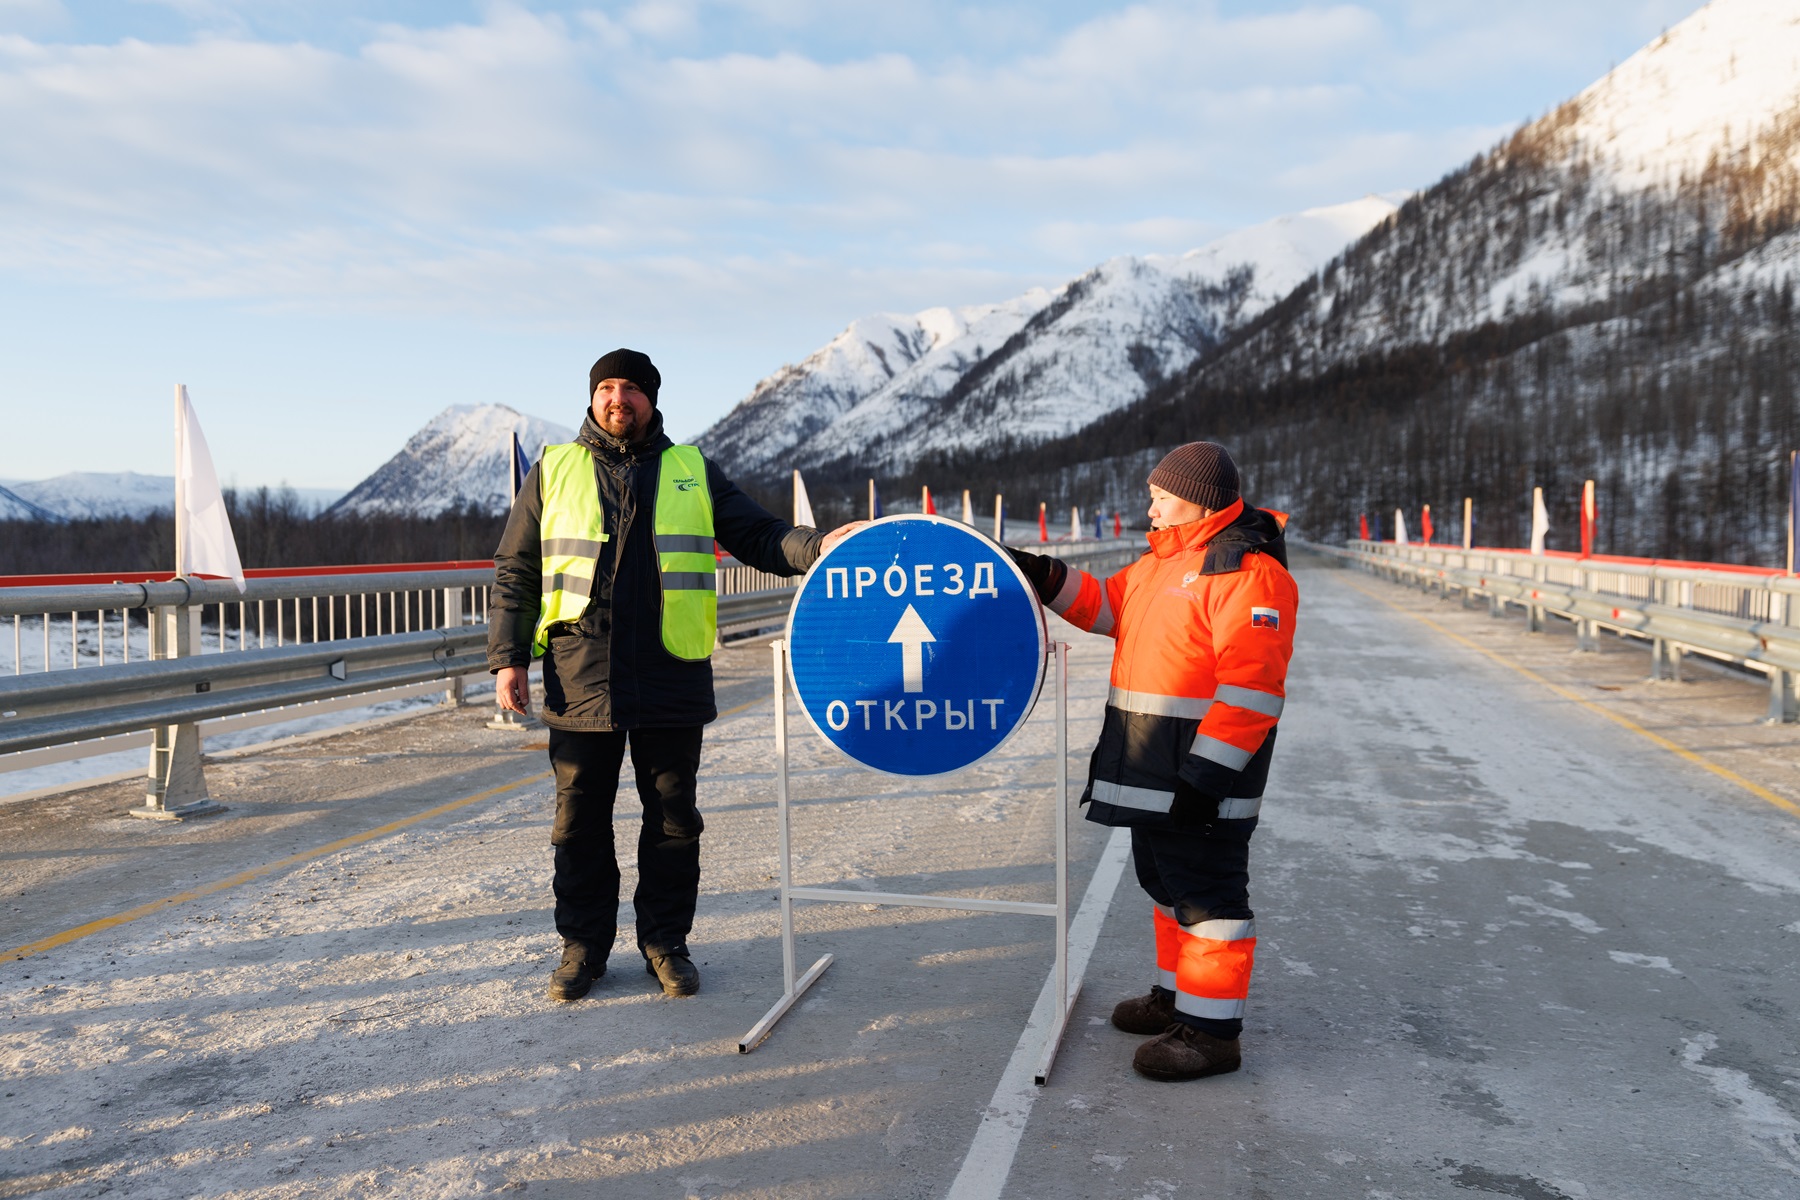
609 670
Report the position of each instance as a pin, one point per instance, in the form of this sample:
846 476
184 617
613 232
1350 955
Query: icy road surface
1508 947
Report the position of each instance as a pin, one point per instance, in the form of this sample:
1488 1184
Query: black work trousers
668 848
1202 874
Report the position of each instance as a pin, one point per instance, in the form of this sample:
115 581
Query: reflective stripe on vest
571 535
684 554
571 532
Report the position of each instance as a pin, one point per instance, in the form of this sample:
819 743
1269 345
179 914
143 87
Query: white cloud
627 170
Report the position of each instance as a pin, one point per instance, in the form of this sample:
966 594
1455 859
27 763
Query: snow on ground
374 1022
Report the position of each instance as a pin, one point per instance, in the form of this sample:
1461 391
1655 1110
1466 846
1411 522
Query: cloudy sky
332 219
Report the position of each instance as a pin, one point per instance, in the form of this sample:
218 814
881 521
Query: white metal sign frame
794 988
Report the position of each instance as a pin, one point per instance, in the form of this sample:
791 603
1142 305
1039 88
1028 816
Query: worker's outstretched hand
839 534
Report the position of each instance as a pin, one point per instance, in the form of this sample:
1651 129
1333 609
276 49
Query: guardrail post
1587 631
1783 707
456 691
176 782
1665 660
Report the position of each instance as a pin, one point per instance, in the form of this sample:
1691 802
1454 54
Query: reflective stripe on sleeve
1152 705
683 543
1243 697
1071 591
1223 930
1232 758
1103 623
1239 809
1125 796
1217 1010
688 581
573 547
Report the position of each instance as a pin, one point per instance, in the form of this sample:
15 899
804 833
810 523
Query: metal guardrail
1736 615
195 650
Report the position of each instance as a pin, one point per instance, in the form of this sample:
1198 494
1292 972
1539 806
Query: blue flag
521 466
1793 508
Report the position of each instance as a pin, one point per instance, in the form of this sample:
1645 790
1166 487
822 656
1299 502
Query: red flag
1425 524
1362 521
1589 511
929 508
1043 524
1118 526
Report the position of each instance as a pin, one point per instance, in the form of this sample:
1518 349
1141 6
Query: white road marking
990 1156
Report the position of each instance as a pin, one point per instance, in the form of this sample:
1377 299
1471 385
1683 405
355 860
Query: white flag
1075 524
802 506
1399 528
968 508
203 541
1540 520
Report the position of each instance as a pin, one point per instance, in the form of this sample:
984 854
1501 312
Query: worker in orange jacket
1204 626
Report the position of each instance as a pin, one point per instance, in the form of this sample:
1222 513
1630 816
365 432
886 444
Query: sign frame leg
792 989
1065 996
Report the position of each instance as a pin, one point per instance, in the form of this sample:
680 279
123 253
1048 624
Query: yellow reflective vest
572 533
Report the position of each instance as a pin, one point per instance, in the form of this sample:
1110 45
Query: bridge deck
1508 946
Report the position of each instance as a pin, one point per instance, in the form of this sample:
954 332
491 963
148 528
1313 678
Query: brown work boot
1146 1015
1183 1052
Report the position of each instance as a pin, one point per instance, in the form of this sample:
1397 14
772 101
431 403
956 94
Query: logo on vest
686 483
1189 578
1265 618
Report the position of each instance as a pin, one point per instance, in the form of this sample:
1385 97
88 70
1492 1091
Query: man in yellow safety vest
606 571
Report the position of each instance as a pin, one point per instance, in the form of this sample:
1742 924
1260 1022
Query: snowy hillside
889 390
82 494
14 507
459 458
1607 294
879 362
1708 90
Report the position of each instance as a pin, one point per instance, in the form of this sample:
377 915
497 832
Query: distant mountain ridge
892 389
1609 293
459 459
97 495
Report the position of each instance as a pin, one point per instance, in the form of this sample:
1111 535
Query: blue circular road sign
916 646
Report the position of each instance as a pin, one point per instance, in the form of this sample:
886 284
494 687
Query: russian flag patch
1265 618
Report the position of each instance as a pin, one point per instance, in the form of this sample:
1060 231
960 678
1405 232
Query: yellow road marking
254 873
1725 773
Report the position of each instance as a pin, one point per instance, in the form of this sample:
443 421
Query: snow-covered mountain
1609 293
890 389
81 495
458 459
14 507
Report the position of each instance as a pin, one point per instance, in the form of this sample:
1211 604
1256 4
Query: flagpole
180 481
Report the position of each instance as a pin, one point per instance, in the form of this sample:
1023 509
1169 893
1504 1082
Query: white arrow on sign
912 636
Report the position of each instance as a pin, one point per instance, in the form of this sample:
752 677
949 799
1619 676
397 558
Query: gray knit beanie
1199 472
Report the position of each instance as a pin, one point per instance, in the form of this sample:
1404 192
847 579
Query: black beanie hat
1199 472
626 364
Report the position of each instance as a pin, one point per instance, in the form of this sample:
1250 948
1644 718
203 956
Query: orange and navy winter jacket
1204 625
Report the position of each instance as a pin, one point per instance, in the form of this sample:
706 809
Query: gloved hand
1193 808
1047 574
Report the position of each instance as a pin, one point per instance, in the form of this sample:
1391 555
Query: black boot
576 975
676 973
